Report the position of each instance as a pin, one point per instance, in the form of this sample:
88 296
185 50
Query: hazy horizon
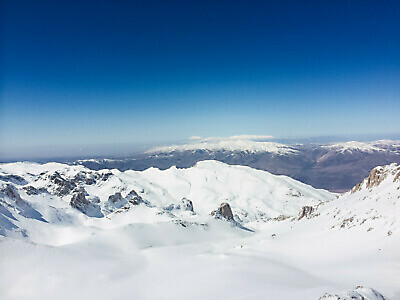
120 150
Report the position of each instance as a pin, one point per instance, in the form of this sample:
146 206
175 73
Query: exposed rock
79 201
281 218
187 204
105 176
396 174
63 186
82 204
356 188
13 179
346 222
30 190
134 198
115 198
359 293
375 177
84 177
306 211
224 211
11 199
11 192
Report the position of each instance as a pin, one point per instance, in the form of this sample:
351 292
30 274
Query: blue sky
93 73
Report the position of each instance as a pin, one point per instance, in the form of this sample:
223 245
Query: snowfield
68 232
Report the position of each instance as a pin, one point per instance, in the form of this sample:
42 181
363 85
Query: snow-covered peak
372 206
383 177
368 147
253 194
236 143
354 146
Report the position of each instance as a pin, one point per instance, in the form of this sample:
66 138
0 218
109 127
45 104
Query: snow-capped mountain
335 167
354 146
216 229
229 145
372 204
252 194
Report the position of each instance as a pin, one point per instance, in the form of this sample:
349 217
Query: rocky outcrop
30 190
134 198
377 176
106 176
85 206
86 178
115 198
187 204
11 199
62 186
224 211
281 218
13 179
79 201
359 293
10 191
306 211
117 201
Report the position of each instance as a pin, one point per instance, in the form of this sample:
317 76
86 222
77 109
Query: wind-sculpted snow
213 231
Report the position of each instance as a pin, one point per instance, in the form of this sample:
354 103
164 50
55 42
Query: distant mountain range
336 167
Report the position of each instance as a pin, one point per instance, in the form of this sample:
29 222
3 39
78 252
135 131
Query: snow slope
148 244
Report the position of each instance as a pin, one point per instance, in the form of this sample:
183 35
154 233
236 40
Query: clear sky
85 73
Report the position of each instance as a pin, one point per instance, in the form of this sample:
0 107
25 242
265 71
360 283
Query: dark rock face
134 198
224 211
86 178
117 201
187 204
106 176
63 186
376 176
85 206
30 190
11 199
306 211
13 179
11 192
79 201
115 198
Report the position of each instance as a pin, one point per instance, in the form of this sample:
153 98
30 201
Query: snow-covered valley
68 232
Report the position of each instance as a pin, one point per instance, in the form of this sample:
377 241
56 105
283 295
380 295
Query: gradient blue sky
87 73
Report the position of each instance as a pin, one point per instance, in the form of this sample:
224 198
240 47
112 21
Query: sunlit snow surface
229 145
155 250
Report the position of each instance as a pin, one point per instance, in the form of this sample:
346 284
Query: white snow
362 146
148 252
229 145
353 146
